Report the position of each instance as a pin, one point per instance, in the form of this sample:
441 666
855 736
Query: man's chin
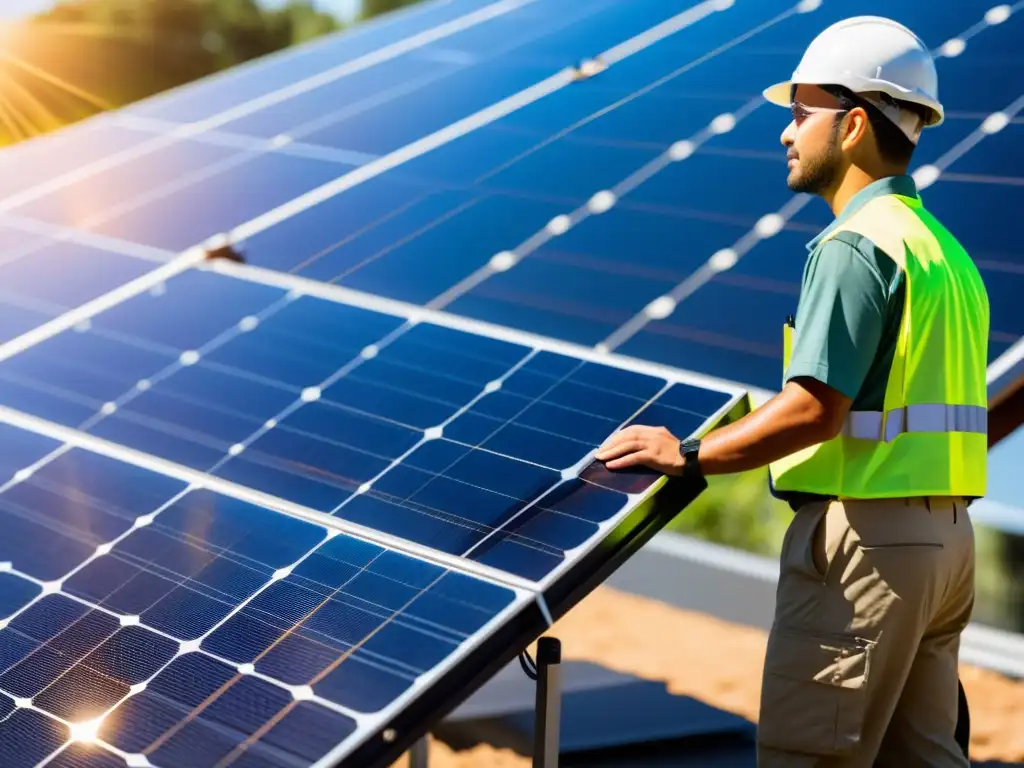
798 183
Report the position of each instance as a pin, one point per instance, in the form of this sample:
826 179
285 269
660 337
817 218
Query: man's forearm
775 430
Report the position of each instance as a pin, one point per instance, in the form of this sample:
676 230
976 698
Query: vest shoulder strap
884 220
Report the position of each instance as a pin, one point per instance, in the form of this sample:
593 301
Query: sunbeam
52 79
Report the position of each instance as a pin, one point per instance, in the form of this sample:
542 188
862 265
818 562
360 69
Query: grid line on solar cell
1006 362
444 136
83 634
927 175
290 139
423 38
426 432
651 86
284 144
769 225
416 314
85 311
980 26
59 234
438 430
596 205
680 20
246 668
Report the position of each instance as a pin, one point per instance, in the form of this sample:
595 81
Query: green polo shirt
851 301
848 316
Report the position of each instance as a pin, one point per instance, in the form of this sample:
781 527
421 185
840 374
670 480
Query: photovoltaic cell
462 443
245 83
51 156
204 628
540 162
86 273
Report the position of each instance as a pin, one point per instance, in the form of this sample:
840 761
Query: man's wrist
689 454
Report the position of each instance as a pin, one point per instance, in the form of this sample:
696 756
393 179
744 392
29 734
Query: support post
419 754
549 703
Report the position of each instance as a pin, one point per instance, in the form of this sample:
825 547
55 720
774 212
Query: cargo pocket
814 692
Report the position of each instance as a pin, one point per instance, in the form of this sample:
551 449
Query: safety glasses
802 111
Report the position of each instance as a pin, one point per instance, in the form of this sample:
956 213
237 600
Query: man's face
812 141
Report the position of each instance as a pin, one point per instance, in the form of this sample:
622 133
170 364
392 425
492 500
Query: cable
528 664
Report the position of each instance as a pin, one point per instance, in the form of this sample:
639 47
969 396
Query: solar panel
650 160
120 546
289 512
220 630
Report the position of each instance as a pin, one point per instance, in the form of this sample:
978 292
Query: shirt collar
891 185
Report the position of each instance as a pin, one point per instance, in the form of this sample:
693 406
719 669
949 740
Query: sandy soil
649 639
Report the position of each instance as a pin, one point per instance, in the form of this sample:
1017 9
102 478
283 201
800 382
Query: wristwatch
689 449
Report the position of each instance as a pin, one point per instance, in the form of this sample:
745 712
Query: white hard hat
871 54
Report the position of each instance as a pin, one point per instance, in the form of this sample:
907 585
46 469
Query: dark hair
893 144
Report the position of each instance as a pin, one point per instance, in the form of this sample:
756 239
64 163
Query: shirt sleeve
840 316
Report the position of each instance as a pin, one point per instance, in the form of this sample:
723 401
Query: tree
372 8
87 55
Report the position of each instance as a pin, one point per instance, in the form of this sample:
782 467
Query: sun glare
86 732
7 31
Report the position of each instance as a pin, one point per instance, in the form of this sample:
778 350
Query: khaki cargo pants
862 662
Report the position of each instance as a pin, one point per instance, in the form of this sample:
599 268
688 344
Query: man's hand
653 447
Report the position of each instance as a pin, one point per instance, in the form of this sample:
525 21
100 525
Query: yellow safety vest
931 436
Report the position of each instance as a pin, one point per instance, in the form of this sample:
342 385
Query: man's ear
857 129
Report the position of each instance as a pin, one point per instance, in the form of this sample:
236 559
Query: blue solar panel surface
428 433
194 628
147 609
255 515
496 186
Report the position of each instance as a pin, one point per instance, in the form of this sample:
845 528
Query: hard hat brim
779 93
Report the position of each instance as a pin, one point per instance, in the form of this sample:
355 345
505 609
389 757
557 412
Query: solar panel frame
646 511
191 485
404 721
584 575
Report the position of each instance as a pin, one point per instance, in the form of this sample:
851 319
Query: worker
878 436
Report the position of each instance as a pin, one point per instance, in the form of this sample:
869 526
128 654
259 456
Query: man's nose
789 134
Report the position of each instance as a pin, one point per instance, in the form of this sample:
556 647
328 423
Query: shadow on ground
609 720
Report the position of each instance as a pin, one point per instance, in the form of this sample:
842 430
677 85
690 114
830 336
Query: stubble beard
817 175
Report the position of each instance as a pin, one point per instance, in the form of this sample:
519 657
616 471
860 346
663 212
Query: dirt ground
686 650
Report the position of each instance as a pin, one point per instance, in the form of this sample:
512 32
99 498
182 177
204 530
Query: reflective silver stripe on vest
922 417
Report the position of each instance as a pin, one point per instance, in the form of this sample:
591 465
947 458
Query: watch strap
690 450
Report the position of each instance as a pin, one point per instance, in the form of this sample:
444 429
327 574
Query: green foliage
86 55
372 8
204 35
738 511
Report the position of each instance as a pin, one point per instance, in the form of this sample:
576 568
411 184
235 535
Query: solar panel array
284 513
